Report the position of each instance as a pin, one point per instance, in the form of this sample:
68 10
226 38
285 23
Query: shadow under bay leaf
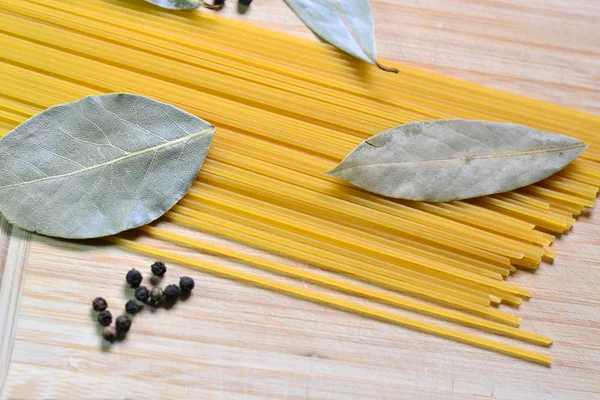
82 244
5 227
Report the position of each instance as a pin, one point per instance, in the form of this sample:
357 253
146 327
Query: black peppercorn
156 296
105 318
245 2
172 292
159 268
186 284
142 293
109 333
132 307
134 278
99 304
123 323
216 5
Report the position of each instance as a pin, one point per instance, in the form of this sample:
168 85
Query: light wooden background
234 341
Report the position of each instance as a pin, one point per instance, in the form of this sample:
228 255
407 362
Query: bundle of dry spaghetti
286 111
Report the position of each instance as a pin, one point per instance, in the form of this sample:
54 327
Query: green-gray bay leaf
346 24
447 160
178 4
100 165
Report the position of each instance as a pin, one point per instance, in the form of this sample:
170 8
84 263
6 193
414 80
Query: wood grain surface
230 340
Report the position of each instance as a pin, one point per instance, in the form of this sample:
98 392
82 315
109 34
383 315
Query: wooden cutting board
234 341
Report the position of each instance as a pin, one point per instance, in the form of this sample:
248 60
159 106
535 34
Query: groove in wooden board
14 246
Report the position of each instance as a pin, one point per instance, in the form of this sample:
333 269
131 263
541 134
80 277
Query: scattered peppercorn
105 318
109 333
159 268
216 5
134 278
132 307
156 295
186 284
99 304
123 323
172 292
245 2
142 293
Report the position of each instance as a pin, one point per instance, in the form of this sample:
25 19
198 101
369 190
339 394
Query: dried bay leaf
347 24
449 160
178 4
100 165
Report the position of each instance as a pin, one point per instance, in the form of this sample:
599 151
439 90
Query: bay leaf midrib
351 31
523 153
116 160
